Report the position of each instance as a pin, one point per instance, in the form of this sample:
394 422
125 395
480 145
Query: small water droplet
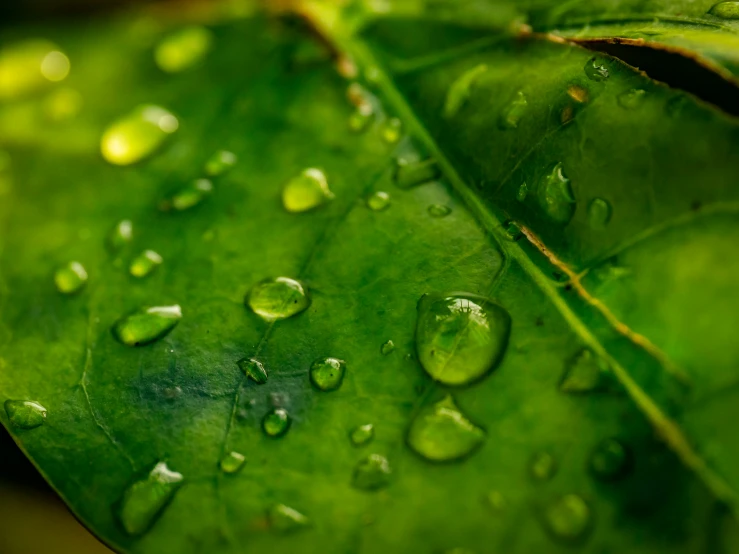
632 99
70 278
307 191
357 95
410 173
568 518
441 433
555 195
278 298
599 213
378 201
147 325
144 501
120 235
392 130
460 90
596 70
514 112
523 191
387 347
372 473
363 434
232 462
542 466
183 48
725 10
360 118
512 230
283 519
586 373
62 104
253 369
189 195
327 374
220 163
137 134
143 264
276 422
610 460
29 66
460 338
25 414
438 210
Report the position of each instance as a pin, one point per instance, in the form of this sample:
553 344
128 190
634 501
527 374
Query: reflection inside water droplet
725 10
599 213
610 460
543 466
283 519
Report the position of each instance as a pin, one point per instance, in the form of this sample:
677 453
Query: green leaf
590 218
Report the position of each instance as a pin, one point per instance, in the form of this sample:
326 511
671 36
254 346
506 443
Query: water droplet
514 112
70 278
357 95
460 337
599 213
253 369
610 460
568 518
220 162
441 433
137 134
360 118
283 519
276 422
372 473
725 10
62 104
29 66
279 298
578 94
327 374
512 230
306 191
387 347
596 69
586 373
25 414
412 173
438 210
147 325
392 130
143 264
523 191
120 235
183 49
232 462
362 434
144 500
460 90
632 99
190 195
542 466
378 201
555 195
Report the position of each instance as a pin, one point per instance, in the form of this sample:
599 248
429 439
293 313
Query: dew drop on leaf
596 70
190 195
568 518
360 118
307 191
441 432
362 434
220 163
459 91
460 337
120 235
387 347
438 210
137 135
327 374
610 460
378 201
392 130
29 66
278 298
725 10
410 173
555 195
145 263
147 325
70 278
183 48
283 519
276 422
599 213
25 414
253 369
542 466
632 99
232 462
372 473
586 372
144 500
513 112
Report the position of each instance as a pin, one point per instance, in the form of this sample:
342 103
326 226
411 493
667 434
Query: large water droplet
632 99
555 195
327 374
568 519
253 369
387 347
29 66
220 162
460 90
144 500
599 213
25 414
514 112
725 10
378 201
306 191
362 434
120 235
585 373
438 210
143 264
190 195
283 519
232 462
279 298
542 466
147 325
596 69
372 473
410 173
610 460
441 433
460 337
70 278
392 130
183 48
276 422
137 134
